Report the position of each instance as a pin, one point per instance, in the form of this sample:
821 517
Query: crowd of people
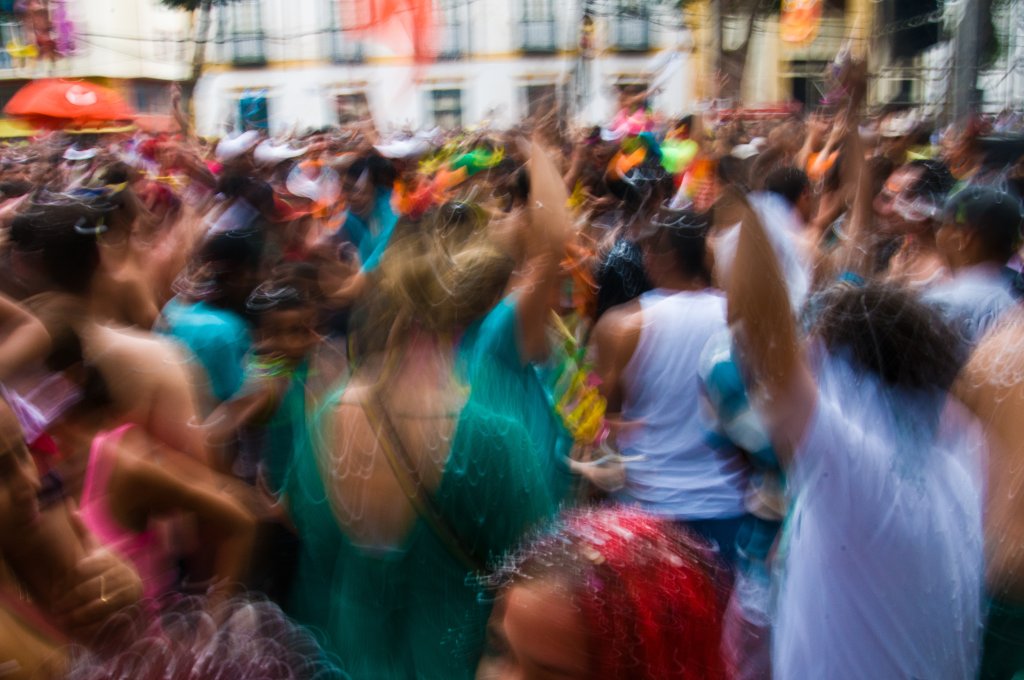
698 398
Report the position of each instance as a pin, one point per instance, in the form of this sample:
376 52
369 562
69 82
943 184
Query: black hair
356 169
992 214
687 232
512 183
381 171
276 296
935 181
61 230
232 184
732 170
232 251
642 187
887 330
789 182
117 172
14 189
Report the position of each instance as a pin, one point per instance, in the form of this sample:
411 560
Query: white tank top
681 475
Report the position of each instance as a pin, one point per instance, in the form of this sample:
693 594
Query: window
807 82
631 27
246 35
252 111
352 107
341 45
452 22
537 27
10 34
540 99
446 108
151 97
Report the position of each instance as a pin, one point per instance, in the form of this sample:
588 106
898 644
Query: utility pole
965 76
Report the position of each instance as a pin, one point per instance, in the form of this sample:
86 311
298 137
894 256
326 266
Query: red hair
646 590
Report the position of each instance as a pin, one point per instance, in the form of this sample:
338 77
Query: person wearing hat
648 356
980 232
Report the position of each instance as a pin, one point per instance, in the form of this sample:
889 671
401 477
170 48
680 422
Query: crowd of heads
333 248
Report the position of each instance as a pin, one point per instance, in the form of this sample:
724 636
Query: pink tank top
145 550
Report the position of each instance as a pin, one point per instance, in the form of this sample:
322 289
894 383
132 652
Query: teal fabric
218 338
490 360
371 237
282 430
415 611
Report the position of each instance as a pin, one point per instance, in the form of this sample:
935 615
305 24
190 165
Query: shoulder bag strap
411 483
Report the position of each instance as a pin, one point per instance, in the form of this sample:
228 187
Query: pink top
144 550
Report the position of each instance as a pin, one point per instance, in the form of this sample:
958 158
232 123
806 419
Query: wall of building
114 39
135 46
301 83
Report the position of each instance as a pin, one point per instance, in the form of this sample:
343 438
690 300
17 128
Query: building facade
497 60
138 47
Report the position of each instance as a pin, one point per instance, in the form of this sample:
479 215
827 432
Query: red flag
397 23
800 20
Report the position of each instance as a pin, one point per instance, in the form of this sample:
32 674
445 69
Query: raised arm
854 256
766 329
547 230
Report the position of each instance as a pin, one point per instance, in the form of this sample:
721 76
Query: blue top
217 337
371 235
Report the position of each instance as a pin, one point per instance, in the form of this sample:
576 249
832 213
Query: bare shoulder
133 348
136 363
619 326
994 369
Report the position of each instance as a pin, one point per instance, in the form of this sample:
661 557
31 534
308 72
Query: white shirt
680 475
883 577
973 300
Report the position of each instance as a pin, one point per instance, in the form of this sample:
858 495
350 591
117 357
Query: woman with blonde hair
409 485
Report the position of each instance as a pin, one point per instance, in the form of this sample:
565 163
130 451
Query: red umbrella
60 102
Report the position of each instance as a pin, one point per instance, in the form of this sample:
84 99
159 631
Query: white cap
73 153
268 153
326 188
744 151
404 148
233 147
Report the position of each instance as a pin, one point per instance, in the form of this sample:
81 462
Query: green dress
415 610
490 360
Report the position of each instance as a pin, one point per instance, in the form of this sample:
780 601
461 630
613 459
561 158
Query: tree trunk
199 54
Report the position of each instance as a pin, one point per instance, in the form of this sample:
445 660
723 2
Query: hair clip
81 227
